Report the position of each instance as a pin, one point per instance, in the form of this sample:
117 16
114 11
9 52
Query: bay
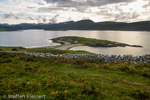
40 38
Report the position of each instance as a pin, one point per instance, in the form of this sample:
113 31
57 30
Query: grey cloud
31 7
75 3
49 9
40 19
54 9
105 10
30 18
41 4
148 18
54 19
11 15
125 16
119 14
146 5
44 19
82 6
135 15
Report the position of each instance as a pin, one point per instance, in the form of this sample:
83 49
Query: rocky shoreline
112 45
99 57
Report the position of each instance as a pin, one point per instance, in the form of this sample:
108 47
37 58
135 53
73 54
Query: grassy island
90 42
81 40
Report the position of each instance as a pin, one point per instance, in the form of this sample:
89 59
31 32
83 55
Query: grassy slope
82 40
60 78
42 50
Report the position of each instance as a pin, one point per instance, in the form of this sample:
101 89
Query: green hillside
5 29
58 78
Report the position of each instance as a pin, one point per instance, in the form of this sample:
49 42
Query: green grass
54 51
73 79
3 48
5 29
42 50
82 40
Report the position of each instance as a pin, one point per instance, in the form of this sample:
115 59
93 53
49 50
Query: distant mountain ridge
84 25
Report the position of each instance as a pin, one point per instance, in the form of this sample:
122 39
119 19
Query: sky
56 11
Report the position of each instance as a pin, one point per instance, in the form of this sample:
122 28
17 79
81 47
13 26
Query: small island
74 40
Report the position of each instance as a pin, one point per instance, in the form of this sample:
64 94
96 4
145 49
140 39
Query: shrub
14 49
142 94
21 48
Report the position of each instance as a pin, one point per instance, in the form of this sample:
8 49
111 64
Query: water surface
36 38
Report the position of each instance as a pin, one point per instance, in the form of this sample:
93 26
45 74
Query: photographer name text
28 96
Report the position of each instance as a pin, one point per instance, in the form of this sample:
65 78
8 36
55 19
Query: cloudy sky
55 11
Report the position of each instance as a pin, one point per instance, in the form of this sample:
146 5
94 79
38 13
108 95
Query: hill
56 78
84 25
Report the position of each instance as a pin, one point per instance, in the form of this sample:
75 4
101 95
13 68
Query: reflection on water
34 38
114 50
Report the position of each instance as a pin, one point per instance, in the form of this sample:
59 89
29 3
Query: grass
5 29
82 40
55 51
43 50
3 48
73 79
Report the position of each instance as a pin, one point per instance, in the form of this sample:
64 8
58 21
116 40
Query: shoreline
36 47
58 47
69 46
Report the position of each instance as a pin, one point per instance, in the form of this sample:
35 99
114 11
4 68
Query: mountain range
83 25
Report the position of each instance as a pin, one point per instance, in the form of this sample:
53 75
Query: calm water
36 38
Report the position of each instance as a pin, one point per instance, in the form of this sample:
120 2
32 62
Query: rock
136 46
99 57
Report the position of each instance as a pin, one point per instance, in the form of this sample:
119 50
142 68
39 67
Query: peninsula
77 41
